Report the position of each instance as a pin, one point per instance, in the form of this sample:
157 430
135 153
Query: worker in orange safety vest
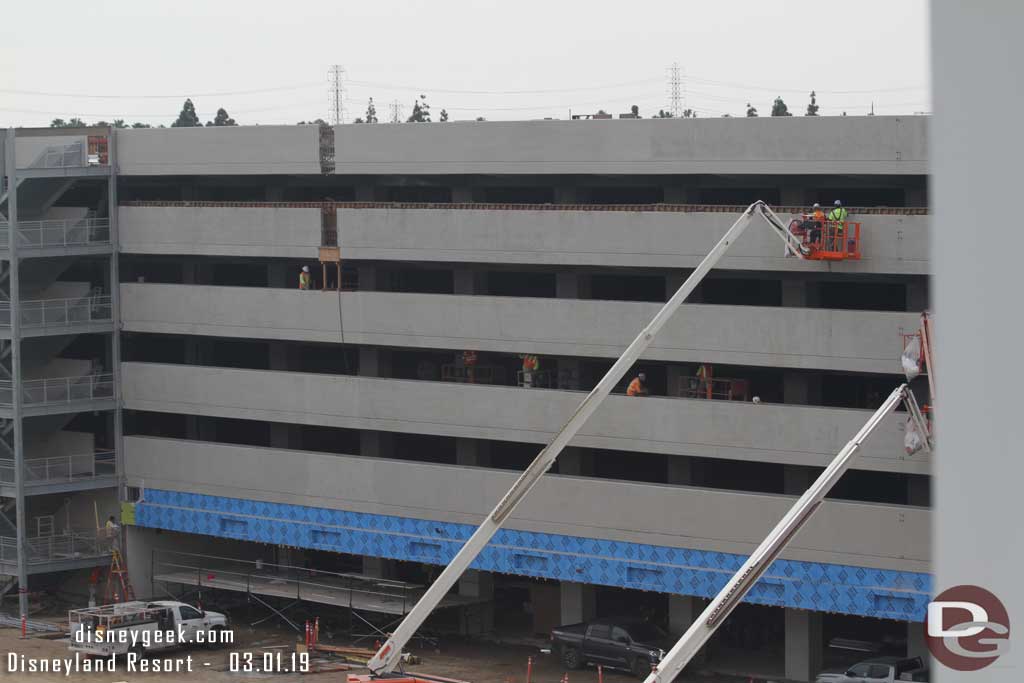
638 387
531 364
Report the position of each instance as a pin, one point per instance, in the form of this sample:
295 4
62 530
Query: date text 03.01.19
268 662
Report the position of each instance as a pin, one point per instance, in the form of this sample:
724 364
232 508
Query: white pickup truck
879 670
139 627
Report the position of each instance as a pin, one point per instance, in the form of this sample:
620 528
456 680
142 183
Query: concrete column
799 388
916 196
472 452
681 195
575 462
674 379
366 193
804 644
681 612
569 370
378 567
479 617
275 194
796 479
468 281
793 196
278 276
567 285
680 470
917 646
794 293
369 279
566 195
919 490
796 388
462 195
374 362
280 433
917 295
579 602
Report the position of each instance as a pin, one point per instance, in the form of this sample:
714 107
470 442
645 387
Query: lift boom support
385 660
757 564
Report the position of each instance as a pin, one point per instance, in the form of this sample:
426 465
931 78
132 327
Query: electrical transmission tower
397 111
675 90
336 88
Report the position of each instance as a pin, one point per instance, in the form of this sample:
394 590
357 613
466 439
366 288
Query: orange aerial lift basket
828 240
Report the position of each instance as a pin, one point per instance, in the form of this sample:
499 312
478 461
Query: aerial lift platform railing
390 652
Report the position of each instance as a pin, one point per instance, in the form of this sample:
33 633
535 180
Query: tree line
188 118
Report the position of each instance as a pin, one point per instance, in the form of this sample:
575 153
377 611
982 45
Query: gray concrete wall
889 243
850 533
744 431
223 150
291 233
860 341
796 145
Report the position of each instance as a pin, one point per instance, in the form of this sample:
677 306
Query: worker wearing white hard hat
837 218
638 387
305 280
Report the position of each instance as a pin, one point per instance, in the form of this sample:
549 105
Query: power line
741 86
390 86
91 96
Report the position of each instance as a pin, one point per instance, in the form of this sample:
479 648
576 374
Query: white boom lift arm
757 564
385 660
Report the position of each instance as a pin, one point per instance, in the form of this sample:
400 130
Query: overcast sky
521 59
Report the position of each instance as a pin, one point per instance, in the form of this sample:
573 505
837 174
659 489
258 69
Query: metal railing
255 577
63 468
60 390
60 312
83 232
61 156
473 374
69 546
718 388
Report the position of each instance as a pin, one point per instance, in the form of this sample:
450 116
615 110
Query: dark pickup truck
619 643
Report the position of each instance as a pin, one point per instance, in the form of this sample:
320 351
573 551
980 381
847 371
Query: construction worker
305 280
837 217
531 364
638 387
704 374
469 360
817 221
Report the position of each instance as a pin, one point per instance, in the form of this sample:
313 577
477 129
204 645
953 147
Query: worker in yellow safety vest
837 217
305 280
531 364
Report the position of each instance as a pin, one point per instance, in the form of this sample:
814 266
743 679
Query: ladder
118 578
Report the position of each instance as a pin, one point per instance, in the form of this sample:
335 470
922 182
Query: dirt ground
468 661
